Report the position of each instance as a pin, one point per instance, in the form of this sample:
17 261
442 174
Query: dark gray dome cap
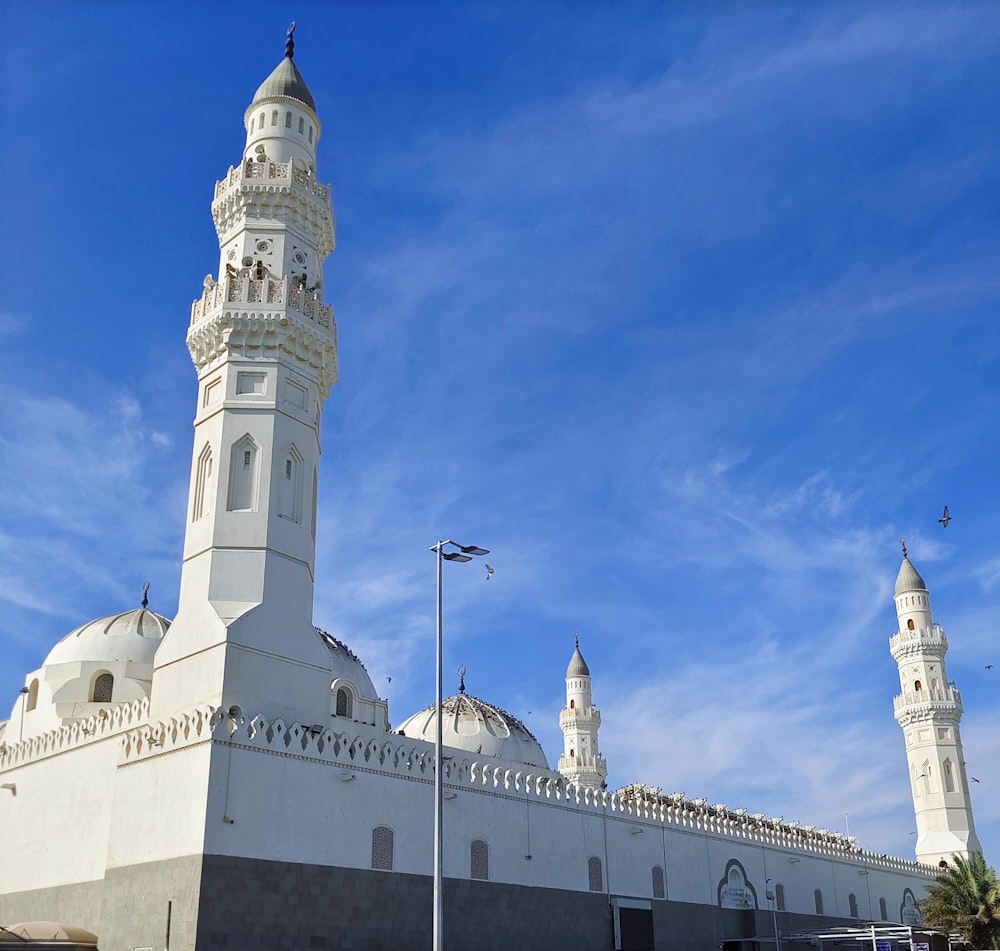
285 82
909 578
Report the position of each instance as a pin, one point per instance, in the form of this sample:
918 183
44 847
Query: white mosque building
229 778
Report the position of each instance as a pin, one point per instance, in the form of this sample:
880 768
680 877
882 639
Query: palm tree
966 899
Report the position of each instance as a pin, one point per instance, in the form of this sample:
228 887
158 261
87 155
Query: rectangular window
251 383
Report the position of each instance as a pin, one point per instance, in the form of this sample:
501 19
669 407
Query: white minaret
581 762
265 348
929 710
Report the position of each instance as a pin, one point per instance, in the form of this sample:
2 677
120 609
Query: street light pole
464 553
772 897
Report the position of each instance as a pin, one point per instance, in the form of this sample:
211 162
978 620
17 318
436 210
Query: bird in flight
489 572
973 778
946 518
989 666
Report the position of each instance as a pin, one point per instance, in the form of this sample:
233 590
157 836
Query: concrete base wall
78 904
217 901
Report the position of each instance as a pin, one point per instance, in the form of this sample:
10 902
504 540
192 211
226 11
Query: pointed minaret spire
581 762
929 710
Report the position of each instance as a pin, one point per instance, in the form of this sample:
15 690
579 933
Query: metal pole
438 789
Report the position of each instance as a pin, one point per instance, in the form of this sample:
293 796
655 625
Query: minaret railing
288 292
272 173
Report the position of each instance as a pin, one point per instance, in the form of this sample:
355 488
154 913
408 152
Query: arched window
32 699
104 685
818 897
572 704
290 487
243 476
909 624
852 901
301 125
345 704
659 882
288 120
480 860
274 117
949 779
883 910
572 754
310 134
779 896
382 848
595 874
202 485
262 120
312 511
917 685
251 125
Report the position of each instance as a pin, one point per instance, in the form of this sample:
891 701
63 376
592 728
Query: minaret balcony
272 173
236 291
934 697
277 191
930 639
580 715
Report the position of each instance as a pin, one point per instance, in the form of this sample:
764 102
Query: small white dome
344 663
479 728
132 636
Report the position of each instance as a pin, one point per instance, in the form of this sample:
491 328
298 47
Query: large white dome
132 636
480 728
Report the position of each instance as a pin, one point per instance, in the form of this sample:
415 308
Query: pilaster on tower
581 762
264 345
929 710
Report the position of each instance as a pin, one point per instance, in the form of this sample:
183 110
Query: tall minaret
929 710
265 348
581 762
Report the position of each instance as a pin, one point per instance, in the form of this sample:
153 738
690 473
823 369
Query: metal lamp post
772 897
463 553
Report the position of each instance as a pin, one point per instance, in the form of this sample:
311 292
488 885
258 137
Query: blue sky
687 312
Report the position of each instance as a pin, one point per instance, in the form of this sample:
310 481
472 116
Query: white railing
268 291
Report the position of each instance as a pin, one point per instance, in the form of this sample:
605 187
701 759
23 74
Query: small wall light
10 786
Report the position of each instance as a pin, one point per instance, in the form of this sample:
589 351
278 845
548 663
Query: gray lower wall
78 904
138 900
246 904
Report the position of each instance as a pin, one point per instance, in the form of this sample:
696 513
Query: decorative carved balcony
242 289
280 174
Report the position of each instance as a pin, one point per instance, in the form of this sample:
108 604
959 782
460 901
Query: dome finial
289 41
462 671
145 595
902 542
576 638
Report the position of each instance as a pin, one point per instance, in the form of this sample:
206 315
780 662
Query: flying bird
388 680
973 778
946 518
489 572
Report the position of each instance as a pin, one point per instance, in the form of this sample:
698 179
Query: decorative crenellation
241 288
638 803
103 724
